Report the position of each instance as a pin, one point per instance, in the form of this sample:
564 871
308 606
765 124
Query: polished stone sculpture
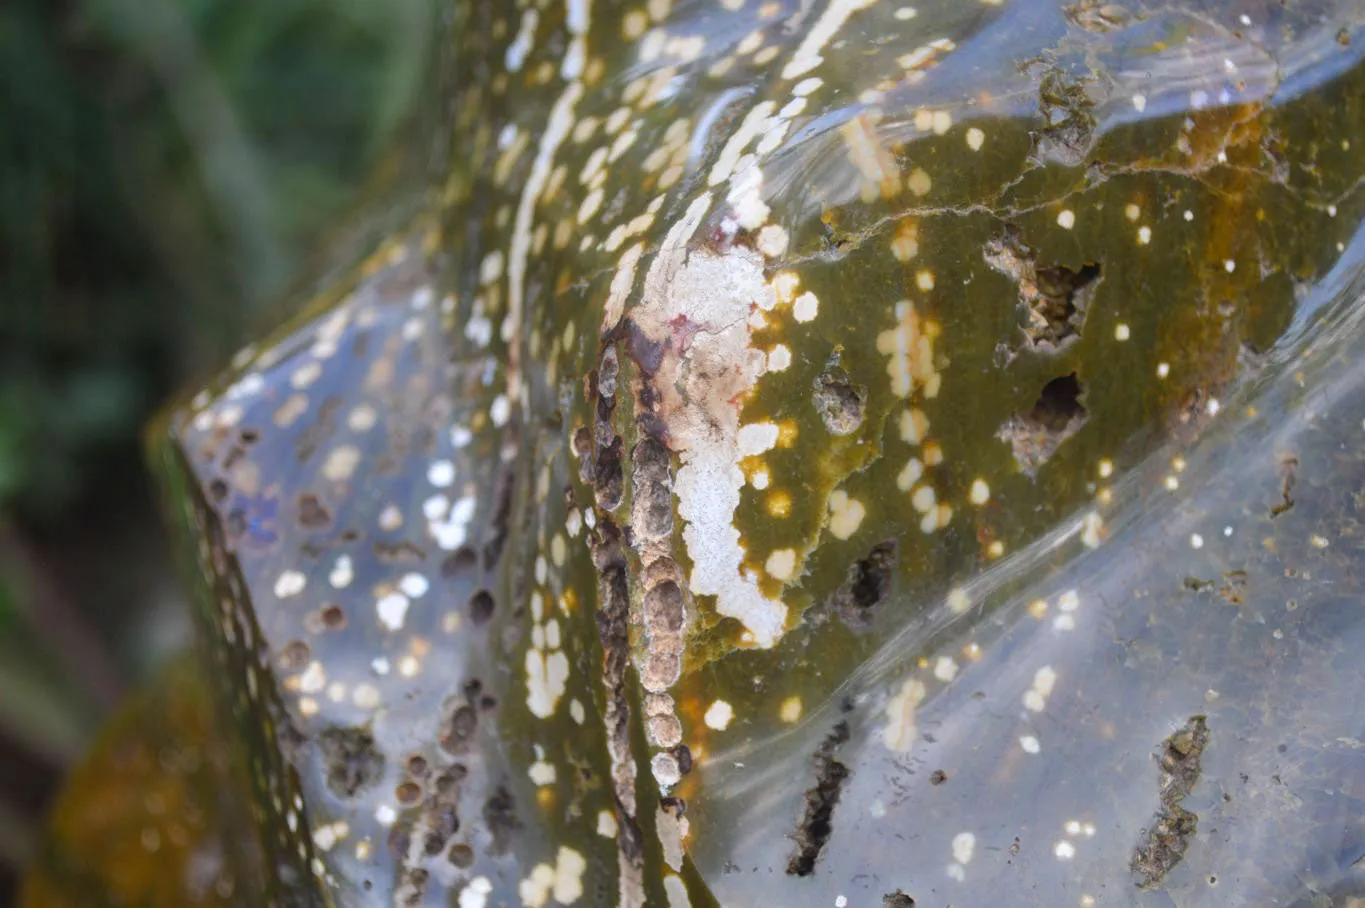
827 453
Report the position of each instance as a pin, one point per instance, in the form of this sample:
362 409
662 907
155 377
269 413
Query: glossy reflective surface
819 454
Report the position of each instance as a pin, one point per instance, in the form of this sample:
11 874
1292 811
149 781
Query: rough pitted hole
472 688
938 777
408 793
333 617
1167 838
481 607
235 525
817 822
295 655
441 813
352 759
866 585
462 856
417 766
838 400
897 899
458 728
413 886
1055 298
218 490
461 564
500 816
313 514
1057 415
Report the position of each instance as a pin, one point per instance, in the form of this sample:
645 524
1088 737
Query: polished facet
825 453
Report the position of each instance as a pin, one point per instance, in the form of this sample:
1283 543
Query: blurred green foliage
164 165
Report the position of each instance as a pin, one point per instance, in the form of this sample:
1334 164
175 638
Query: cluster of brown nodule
661 579
599 452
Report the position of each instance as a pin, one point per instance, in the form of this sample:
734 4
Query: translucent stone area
835 453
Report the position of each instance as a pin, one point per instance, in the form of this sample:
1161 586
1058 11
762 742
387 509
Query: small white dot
1030 744
290 583
441 473
1229 266
1163 370
1121 332
1067 219
1196 541
1189 215
1064 850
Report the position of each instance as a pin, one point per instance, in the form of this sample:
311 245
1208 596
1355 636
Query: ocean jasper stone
835 453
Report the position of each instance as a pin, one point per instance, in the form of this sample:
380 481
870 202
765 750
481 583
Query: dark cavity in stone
481 606
1055 299
817 822
1057 415
866 585
897 899
500 816
352 759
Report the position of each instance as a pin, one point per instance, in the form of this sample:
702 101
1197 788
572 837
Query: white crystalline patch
521 45
414 585
441 473
621 282
392 610
752 126
542 773
779 358
806 307
715 294
807 55
475 895
781 564
964 844
757 438
845 514
899 734
290 583
568 884
719 715
546 677
676 892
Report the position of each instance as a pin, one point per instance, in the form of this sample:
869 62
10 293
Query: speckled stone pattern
831 453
